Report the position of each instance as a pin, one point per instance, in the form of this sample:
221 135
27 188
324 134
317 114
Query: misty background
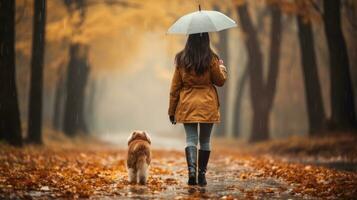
129 62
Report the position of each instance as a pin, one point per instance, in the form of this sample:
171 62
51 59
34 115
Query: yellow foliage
113 32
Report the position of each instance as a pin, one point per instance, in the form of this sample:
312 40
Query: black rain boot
203 157
191 158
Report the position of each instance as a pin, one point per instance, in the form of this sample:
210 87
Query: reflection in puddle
203 190
197 191
135 189
191 190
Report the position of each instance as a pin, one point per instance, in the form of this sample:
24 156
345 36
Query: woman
194 100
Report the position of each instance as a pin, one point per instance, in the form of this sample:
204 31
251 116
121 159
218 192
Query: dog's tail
142 167
143 153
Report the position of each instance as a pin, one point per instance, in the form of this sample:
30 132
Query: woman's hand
172 119
221 65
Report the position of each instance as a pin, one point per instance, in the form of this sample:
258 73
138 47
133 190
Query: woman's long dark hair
197 54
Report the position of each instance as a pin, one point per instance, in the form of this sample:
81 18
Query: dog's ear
147 137
131 137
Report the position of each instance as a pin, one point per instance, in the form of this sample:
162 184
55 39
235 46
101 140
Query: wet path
227 179
227 176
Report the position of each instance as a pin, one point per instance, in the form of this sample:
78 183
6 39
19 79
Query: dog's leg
143 173
132 175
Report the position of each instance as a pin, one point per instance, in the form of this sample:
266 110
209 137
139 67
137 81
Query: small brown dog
139 157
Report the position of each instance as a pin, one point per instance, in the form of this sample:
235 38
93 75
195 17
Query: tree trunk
315 109
255 62
274 57
260 125
342 97
77 76
262 94
238 103
36 84
10 125
241 83
221 128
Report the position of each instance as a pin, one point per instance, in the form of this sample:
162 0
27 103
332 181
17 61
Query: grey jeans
204 136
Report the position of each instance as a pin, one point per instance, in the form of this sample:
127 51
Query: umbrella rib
189 25
214 25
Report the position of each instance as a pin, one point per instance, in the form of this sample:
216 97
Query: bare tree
10 125
261 14
77 78
314 103
342 97
262 92
36 84
78 71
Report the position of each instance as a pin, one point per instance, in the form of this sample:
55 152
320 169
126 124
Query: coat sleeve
218 74
176 86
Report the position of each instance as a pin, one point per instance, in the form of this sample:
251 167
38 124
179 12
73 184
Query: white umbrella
202 21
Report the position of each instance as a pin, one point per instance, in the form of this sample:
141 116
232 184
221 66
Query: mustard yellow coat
194 98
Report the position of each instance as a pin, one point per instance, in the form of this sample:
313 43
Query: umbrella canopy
202 21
